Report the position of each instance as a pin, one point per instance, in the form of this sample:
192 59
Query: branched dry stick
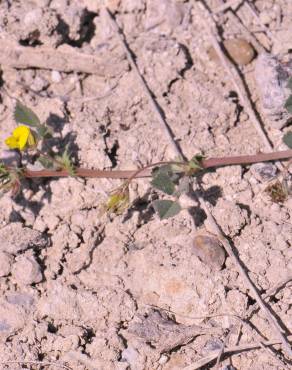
231 351
215 227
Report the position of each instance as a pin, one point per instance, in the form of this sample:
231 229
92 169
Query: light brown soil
73 283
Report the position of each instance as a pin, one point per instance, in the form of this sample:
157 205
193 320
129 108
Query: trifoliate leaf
288 104
166 208
25 115
163 182
287 139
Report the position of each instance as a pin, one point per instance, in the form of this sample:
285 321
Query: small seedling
170 178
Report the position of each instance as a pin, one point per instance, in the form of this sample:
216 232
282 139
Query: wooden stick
62 59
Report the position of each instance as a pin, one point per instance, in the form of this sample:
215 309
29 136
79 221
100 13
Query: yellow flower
21 138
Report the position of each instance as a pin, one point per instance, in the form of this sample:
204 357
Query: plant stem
145 171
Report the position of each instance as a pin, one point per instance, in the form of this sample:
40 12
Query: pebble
5 264
56 76
26 270
209 250
240 51
263 171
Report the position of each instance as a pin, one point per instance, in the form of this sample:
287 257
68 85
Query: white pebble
56 76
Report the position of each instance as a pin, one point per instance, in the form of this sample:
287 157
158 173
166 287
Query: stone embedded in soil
15 238
209 250
5 263
263 171
239 50
26 270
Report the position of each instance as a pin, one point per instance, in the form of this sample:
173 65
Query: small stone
26 270
209 250
5 263
239 50
263 171
56 76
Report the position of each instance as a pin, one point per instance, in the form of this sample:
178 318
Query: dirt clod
26 270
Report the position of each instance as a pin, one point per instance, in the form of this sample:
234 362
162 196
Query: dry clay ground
77 288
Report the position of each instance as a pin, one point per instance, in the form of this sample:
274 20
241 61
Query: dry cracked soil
86 291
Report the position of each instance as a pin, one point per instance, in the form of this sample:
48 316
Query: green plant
170 178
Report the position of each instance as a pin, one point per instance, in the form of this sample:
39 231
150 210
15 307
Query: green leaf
23 114
287 139
288 104
289 84
166 208
163 182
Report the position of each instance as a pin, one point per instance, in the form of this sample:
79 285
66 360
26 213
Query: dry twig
68 60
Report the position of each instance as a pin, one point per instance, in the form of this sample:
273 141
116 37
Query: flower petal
11 142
